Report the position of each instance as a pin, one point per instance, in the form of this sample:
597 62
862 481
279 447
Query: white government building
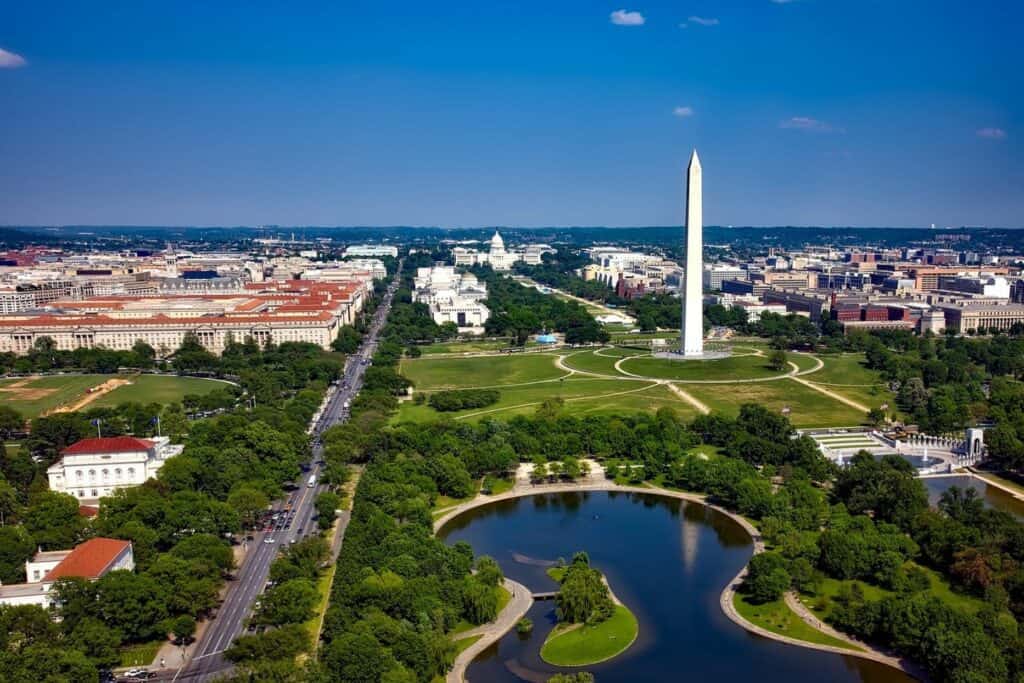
91 560
452 297
92 468
498 257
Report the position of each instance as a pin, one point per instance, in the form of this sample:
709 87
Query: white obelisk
693 292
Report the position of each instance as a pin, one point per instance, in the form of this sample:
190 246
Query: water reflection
992 497
638 541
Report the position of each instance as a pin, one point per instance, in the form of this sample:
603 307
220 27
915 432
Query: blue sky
573 112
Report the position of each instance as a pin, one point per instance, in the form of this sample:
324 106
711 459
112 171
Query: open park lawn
845 374
31 396
481 346
158 389
581 395
486 371
579 645
776 617
808 408
601 361
722 369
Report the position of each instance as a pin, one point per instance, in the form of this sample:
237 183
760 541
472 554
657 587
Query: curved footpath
511 614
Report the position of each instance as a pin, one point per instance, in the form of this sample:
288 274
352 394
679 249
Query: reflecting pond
669 561
992 496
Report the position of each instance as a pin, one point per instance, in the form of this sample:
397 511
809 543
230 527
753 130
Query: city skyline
521 115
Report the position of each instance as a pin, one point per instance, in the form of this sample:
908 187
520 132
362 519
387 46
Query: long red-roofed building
276 311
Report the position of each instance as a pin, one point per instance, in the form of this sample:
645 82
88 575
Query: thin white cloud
806 123
704 21
992 133
10 60
682 112
622 17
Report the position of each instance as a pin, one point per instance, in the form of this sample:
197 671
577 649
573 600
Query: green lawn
158 389
601 361
518 396
323 587
461 373
846 374
579 645
53 391
808 407
733 367
50 391
776 617
474 346
140 655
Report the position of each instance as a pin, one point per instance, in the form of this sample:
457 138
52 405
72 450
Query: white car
268 539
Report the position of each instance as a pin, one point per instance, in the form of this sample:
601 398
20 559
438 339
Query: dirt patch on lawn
21 392
90 396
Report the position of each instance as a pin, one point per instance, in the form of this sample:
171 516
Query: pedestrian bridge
550 595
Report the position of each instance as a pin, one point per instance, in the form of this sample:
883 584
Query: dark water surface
669 561
993 497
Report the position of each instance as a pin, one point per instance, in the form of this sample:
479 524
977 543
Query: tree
183 627
480 601
53 521
16 546
584 596
326 505
135 604
97 641
11 421
292 602
777 360
767 578
249 502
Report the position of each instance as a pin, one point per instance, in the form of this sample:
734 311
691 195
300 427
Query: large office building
269 312
371 250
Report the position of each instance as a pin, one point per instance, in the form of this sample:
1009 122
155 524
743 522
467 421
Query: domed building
498 257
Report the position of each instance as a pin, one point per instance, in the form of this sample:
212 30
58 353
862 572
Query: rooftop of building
89 560
108 444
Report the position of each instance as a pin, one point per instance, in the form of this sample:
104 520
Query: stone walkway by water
517 606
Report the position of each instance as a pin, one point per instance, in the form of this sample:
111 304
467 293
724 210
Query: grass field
733 367
846 375
578 645
464 643
601 361
140 655
32 396
526 399
158 389
808 407
461 373
776 617
468 346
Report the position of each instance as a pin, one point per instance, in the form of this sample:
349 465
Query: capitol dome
497 244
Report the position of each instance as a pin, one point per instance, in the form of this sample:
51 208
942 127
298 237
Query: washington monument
693 294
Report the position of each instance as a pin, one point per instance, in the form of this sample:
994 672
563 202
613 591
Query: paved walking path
521 601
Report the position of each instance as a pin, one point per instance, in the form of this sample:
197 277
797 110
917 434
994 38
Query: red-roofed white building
92 468
90 560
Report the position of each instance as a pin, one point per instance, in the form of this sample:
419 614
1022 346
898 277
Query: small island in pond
594 626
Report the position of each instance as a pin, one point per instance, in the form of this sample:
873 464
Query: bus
312 481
